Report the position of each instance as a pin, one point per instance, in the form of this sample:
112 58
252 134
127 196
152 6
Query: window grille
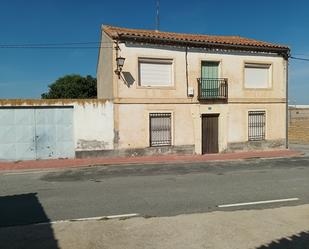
160 129
257 122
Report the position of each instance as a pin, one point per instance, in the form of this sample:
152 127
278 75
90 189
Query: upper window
155 72
257 75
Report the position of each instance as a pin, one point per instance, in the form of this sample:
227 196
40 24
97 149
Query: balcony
212 90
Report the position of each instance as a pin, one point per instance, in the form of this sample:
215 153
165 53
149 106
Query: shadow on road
297 241
17 213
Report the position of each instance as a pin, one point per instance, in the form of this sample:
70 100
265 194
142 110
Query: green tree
72 87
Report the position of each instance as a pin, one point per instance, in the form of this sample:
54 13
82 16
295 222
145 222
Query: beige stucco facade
133 103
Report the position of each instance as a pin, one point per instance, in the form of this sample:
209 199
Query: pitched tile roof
117 32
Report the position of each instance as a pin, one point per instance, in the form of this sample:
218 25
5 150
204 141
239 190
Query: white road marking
91 218
121 216
257 202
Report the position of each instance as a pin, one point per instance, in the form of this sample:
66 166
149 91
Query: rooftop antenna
157 15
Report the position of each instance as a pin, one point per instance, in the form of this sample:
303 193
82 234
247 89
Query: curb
296 154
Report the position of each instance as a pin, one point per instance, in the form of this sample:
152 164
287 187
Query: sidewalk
71 163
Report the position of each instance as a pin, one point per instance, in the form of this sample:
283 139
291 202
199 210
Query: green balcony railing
212 89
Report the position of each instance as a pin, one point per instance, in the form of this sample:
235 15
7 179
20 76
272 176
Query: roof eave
284 51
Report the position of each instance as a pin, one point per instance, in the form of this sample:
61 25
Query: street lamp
120 62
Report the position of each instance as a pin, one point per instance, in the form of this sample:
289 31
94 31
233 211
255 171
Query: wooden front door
210 127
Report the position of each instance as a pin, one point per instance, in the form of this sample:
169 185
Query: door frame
202 137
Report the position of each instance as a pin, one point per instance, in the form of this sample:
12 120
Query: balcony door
210 74
210 70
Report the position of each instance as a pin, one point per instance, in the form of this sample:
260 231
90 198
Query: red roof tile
117 32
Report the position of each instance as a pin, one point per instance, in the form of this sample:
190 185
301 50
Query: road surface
152 190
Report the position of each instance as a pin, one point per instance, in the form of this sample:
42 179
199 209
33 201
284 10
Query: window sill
157 87
258 89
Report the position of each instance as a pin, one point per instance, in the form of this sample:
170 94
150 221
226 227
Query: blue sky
26 73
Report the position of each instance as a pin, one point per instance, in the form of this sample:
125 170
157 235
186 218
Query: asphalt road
150 190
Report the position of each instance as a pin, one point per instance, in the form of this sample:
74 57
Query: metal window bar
160 129
256 125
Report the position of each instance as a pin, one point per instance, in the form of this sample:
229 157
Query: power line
53 47
63 45
298 58
301 54
73 45
51 44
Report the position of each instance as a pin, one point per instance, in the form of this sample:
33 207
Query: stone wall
299 131
299 125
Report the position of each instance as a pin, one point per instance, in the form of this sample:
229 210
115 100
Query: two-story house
190 93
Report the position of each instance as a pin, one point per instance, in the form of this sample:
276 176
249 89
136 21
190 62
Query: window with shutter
257 75
156 73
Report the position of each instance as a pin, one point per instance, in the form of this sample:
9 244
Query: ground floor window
160 129
256 125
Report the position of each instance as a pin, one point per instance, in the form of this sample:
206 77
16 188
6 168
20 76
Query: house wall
134 124
133 102
231 67
238 126
105 69
186 125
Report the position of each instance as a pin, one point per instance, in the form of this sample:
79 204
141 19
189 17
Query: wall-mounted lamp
120 62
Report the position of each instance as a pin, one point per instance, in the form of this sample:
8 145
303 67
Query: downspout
287 104
116 95
187 77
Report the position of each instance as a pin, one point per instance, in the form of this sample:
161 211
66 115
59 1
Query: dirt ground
285 227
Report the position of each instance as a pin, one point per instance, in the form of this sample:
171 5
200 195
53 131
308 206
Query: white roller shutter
156 73
257 76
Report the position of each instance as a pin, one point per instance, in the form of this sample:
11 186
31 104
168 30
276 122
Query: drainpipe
287 104
187 79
